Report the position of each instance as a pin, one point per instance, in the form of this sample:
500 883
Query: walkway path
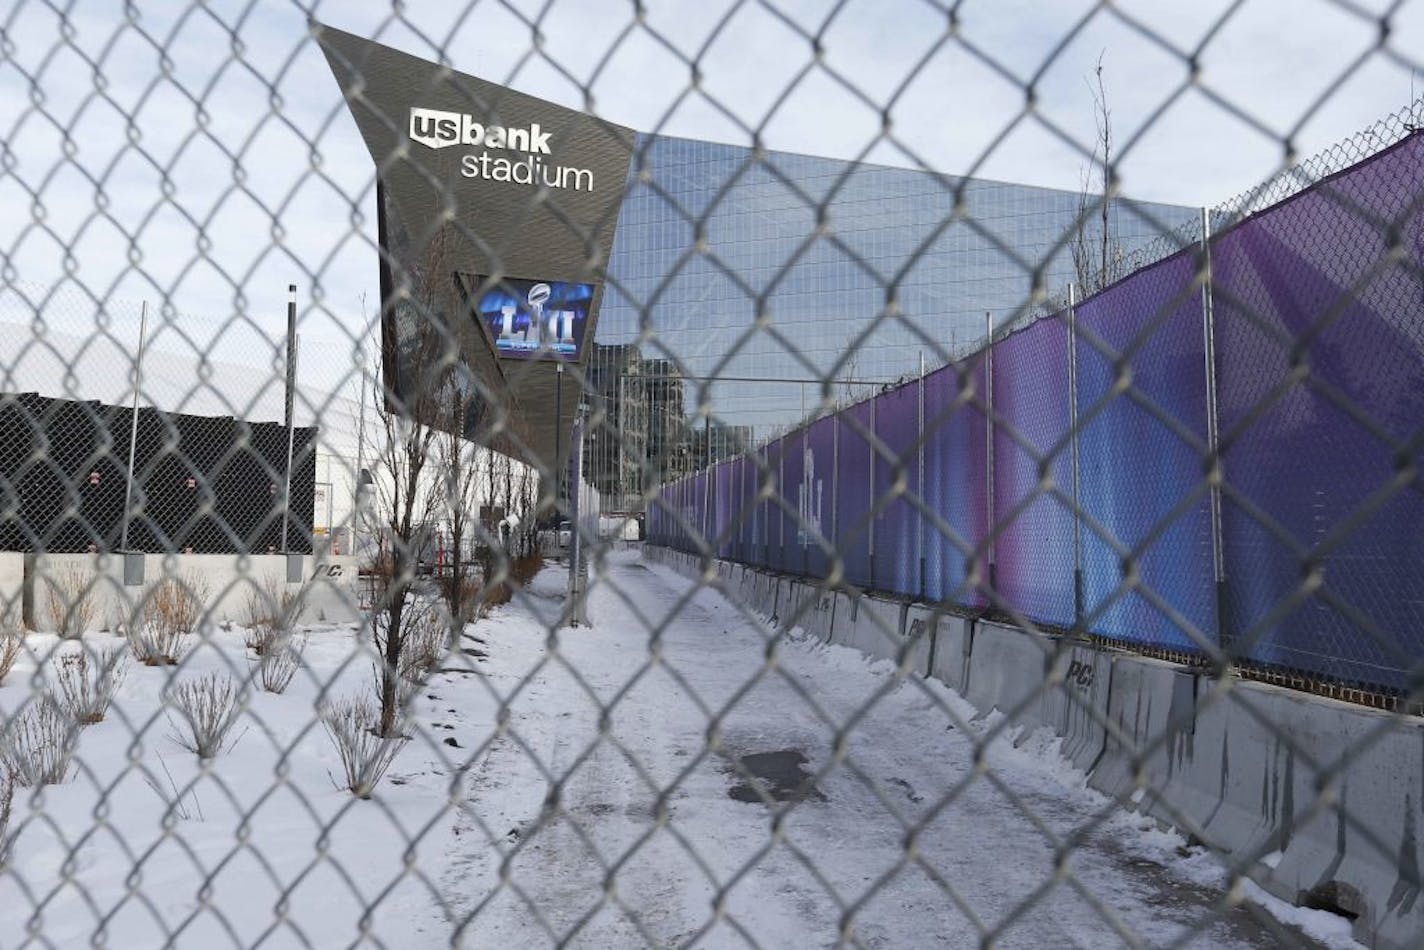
574 820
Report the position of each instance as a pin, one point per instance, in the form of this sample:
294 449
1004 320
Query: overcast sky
200 157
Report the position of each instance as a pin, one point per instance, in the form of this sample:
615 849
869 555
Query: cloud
201 156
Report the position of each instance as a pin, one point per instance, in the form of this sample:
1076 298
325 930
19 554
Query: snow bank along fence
1137 519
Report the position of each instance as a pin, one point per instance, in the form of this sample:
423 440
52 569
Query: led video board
531 319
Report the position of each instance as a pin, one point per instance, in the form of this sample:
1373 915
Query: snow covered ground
588 787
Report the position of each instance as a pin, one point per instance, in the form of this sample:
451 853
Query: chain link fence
630 539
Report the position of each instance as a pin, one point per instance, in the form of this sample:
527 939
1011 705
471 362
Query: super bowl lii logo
808 500
437 129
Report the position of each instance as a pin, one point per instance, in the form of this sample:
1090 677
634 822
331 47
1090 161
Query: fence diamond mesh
587 518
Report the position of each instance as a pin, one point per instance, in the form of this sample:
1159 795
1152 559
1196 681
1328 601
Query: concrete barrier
1360 849
798 604
12 587
766 599
228 585
778 599
1080 705
1152 707
746 590
1007 671
331 589
844 616
949 661
816 606
878 627
1249 780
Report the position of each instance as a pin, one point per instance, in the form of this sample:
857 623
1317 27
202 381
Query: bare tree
459 463
1095 256
407 491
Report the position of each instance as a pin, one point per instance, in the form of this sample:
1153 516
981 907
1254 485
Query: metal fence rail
536 531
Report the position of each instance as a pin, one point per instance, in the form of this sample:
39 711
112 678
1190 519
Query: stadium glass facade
896 276
747 283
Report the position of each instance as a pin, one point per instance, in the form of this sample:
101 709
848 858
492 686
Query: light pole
289 413
558 433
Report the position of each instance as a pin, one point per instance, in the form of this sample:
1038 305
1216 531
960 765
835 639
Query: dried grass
279 662
365 756
272 612
208 708
522 570
39 743
460 593
7 798
70 604
87 689
12 644
425 645
171 611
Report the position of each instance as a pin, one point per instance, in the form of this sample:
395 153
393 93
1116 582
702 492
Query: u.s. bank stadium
706 294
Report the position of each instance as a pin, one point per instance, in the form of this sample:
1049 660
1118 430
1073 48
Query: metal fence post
578 612
1073 454
989 444
1218 551
781 509
835 481
290 412
707 487
920 465
874 405
803 506
133 426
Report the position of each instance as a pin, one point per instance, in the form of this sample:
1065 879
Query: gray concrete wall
1319 801
228 584
12 585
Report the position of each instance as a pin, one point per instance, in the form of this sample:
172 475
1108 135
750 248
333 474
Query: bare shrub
279 662
365 756
208 707
494 595
425 645
71 601
12 644
171 612
7 798
460 591
272 612
39 743
87 689
524 569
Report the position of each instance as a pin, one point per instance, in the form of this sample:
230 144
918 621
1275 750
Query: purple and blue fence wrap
1317 306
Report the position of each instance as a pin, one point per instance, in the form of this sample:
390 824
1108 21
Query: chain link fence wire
865 563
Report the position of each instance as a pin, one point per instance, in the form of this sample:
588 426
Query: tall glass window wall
856 271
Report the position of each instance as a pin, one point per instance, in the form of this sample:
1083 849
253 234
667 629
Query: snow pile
148 845
590 785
